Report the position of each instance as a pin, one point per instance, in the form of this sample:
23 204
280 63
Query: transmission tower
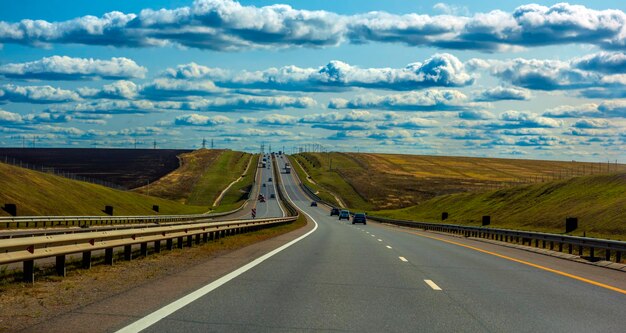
203 143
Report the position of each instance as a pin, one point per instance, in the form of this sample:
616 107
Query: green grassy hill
203 175
517 194
599 203
37 193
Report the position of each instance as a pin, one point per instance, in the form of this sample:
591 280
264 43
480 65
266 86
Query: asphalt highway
375 278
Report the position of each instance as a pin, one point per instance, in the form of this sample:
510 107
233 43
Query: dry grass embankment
389 181
38 193
597 201
203 174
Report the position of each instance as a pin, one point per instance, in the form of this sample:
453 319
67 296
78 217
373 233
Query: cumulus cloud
117 90
604 62
226 25
440 70
607 109
528 120
352 116
476 115
539 74
66 68
15 119
573 111
107 107
36 94
427 100
503 93
168 88
593 72
410 123
243 103
591 123
200 120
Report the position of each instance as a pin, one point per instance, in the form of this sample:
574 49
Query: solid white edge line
432 284
167 310
403 259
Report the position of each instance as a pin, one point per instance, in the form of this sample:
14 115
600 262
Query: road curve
376 278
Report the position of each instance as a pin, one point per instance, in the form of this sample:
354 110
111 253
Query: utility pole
24 141
212 145
154 144
203 143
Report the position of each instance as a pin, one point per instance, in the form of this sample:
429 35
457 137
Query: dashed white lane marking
389 247
403 259
432 284
373 235
380 240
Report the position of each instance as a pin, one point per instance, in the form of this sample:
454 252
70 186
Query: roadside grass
597 201
331 180
179 184
38 193
391 181
227 168
238 193
25 305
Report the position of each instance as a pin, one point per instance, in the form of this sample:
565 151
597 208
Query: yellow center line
555 271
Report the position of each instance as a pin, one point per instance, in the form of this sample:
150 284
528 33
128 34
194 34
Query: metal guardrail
612 249
28 249
52 221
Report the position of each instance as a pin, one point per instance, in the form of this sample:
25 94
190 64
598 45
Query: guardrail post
198 239
189 241
591 252
179 243
580 250
29 271
211 235
108 256
205 237
60 265
618 257
169 244
144 249
607 255
87 259
128 252
570 248
157 246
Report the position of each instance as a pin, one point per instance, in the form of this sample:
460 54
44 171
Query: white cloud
67 68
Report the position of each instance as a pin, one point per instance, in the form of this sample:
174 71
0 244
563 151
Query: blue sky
512 79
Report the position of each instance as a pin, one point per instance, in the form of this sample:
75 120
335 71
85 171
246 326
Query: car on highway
269 179
359 218
272 196
344 214
313 204
263 184
334 211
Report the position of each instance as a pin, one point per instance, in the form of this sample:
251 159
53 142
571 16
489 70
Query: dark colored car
263 184
359 218
334 211
313 204
344 214
270 179
272 196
